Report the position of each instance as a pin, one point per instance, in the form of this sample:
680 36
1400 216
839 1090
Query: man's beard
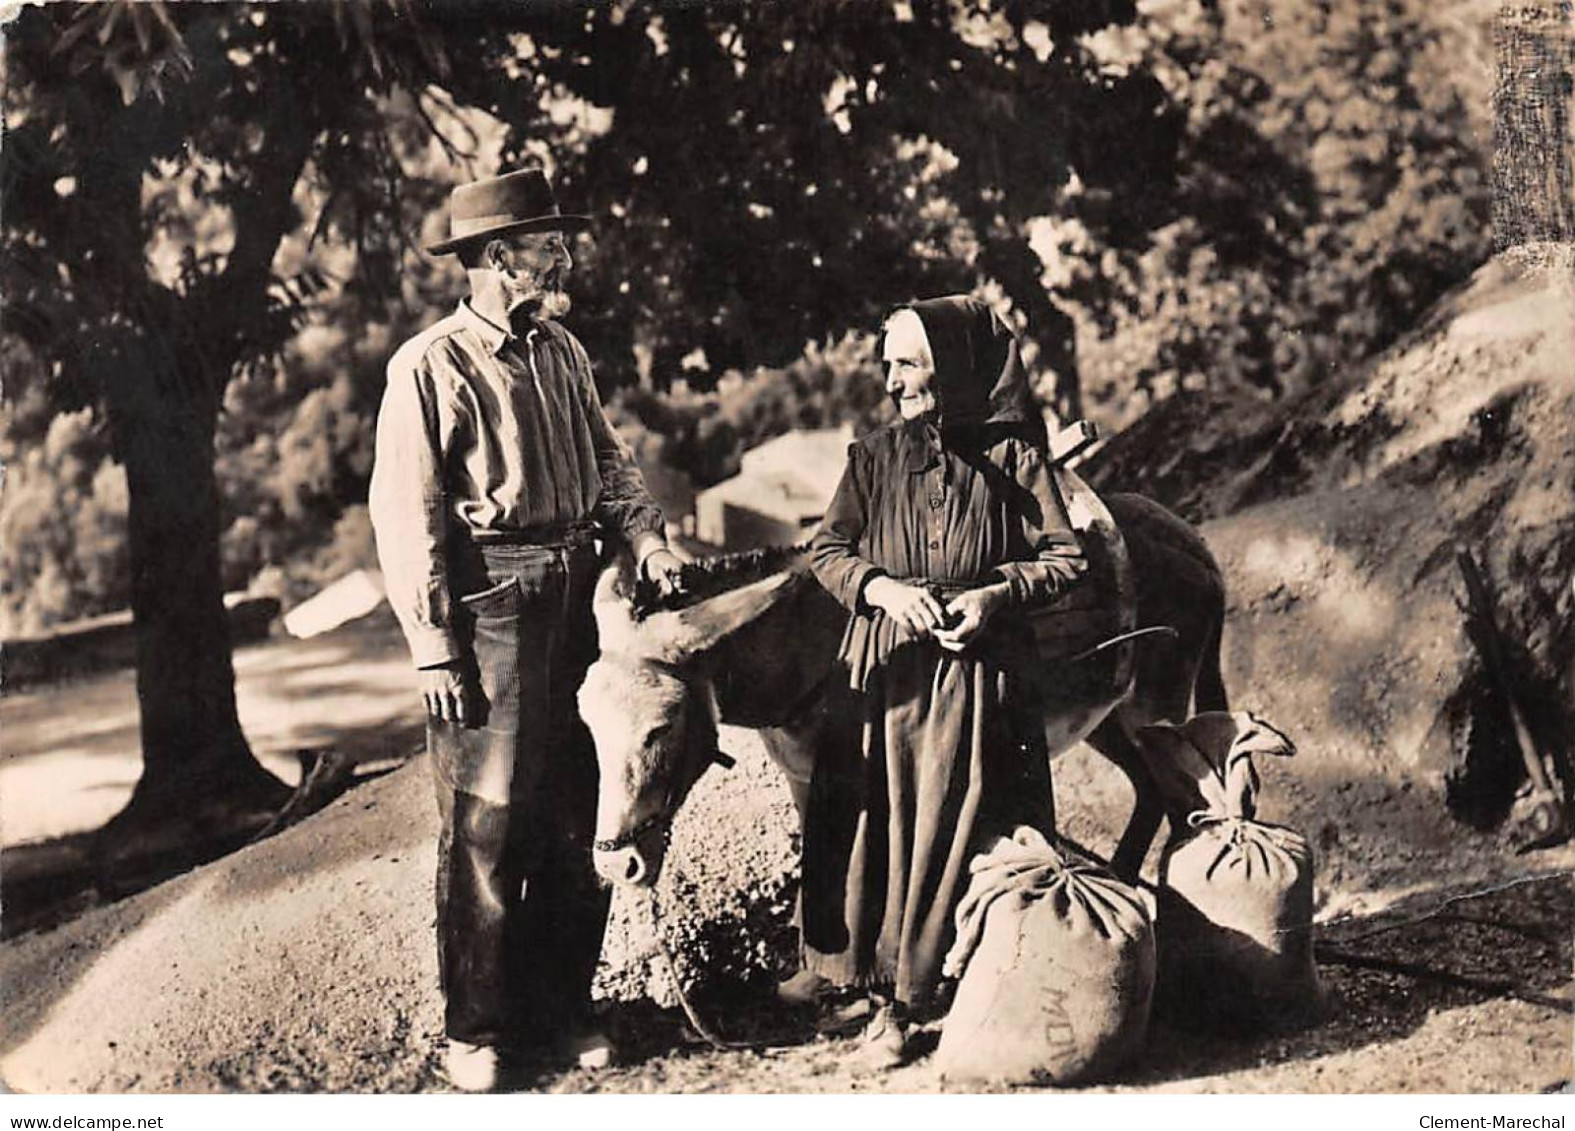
554 304
551 303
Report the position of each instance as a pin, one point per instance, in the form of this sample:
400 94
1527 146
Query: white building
779 494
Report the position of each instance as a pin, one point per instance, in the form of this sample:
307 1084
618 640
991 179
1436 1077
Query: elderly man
495 470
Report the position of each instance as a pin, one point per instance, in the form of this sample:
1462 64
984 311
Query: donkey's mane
708 577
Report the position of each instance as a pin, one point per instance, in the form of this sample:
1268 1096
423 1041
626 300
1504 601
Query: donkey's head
654 737
649 706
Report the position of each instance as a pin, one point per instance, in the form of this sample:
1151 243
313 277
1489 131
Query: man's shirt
482 429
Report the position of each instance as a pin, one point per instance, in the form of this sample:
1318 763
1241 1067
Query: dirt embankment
306 962
1337 517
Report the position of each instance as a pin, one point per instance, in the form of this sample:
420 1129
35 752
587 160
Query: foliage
161 167
63 519
704 434
1166 195
1387 207
772 175
157 159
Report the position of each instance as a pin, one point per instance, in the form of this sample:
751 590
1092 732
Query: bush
1377 113
1329 184
62 527
704 435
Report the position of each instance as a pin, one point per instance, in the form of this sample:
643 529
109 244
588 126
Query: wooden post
1547 820
1534 125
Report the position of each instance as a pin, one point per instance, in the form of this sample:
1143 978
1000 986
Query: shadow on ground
1384 977
49 882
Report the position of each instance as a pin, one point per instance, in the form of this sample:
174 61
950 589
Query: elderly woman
945 524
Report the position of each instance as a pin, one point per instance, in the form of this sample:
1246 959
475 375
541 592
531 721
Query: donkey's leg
1112 741
793 752
1169 680
1208 689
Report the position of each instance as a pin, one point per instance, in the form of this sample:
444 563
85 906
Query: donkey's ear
684 633
615 623
616 581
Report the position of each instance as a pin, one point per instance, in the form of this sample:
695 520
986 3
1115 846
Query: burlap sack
1236 895
1057 962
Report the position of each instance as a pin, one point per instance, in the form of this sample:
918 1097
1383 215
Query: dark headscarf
981 389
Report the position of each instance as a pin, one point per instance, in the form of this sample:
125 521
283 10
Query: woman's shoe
845 1018
884 1045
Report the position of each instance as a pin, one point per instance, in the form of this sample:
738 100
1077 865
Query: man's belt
581 532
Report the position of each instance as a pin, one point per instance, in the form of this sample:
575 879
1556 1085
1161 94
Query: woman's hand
913 608
975 607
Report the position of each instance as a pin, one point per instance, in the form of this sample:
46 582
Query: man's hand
665 570
913 608
975 607
450 694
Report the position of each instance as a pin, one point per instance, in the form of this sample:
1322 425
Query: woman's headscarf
981 389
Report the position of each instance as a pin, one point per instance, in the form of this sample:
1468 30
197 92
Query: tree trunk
201 792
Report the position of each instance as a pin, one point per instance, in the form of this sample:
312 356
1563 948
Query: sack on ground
1234 928
1057 961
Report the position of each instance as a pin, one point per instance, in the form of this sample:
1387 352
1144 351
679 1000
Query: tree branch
264 214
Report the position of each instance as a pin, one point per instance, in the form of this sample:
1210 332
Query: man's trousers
520 915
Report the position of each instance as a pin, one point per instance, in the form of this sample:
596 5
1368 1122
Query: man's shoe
804 988
471 1068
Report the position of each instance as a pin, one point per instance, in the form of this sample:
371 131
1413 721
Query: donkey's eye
656 734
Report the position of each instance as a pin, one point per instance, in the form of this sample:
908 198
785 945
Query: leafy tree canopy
231 195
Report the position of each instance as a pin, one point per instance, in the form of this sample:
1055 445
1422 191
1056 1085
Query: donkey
762 655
